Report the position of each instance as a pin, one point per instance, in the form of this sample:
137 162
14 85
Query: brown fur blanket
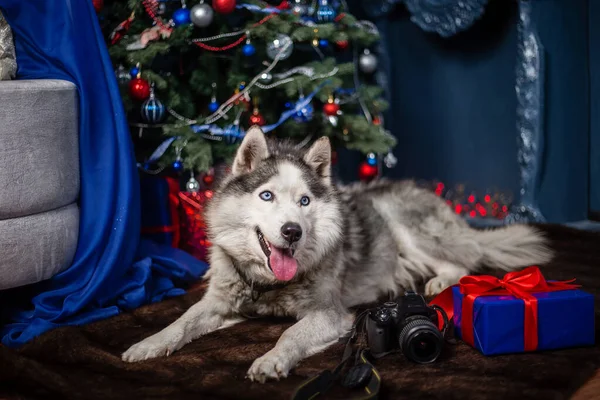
84 363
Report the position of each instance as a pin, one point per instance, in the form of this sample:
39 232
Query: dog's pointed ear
318 157
252 150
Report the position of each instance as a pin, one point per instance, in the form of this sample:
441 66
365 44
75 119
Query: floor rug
84 362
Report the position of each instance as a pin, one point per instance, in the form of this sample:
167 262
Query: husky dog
286 241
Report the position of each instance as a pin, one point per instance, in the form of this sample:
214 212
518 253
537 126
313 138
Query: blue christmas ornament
182 17
248 50
153 110
213 106
371 159
133 72
178 165
323 43
325 13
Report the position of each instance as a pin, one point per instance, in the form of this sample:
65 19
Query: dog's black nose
291 231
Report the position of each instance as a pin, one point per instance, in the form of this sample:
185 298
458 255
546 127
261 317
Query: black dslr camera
410 325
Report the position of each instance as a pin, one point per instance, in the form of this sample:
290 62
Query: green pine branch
183 75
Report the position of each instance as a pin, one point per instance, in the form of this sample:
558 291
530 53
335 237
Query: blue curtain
112 270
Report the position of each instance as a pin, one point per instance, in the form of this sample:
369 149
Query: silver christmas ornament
390 160
299 7
282 43
265 78
123 75
192 185
201 15
367 62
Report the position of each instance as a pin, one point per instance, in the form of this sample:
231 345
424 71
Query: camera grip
379 337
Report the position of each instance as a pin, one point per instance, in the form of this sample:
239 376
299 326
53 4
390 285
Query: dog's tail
506 248
512 246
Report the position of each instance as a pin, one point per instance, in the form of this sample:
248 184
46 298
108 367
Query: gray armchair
39 179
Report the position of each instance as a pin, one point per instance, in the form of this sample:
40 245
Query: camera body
409 325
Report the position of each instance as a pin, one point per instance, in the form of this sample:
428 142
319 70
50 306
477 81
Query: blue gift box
565 319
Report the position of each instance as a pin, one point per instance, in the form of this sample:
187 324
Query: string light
494 205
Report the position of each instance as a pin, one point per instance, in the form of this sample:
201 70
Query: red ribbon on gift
521 284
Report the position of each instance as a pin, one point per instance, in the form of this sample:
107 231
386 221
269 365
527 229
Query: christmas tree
202 72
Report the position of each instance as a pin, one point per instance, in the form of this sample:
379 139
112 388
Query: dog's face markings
284 199
282 202
282 219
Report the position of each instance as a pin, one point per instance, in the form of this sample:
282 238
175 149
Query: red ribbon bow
520 284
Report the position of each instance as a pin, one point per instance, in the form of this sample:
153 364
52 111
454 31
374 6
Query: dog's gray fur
360 243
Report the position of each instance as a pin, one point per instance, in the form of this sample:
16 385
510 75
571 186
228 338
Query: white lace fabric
8 60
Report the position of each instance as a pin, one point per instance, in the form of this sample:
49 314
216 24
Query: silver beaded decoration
530 99
445 17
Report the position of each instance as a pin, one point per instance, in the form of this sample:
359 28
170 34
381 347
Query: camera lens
421 341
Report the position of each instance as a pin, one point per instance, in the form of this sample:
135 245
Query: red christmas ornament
139 89
208 179
257 119
331 108
98 5
376 121
342 44
367 172
223 6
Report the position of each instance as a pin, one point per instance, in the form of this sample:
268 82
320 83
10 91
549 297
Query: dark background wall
594 53
453 104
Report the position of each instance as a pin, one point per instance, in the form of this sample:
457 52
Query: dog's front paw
436 285
163 343
272 365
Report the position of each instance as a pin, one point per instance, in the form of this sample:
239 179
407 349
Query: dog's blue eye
304 201
266 195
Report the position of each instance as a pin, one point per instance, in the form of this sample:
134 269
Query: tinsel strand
150 7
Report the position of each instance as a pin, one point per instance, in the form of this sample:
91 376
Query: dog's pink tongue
284 267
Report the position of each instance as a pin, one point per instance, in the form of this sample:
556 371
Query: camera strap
363 373
320 384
